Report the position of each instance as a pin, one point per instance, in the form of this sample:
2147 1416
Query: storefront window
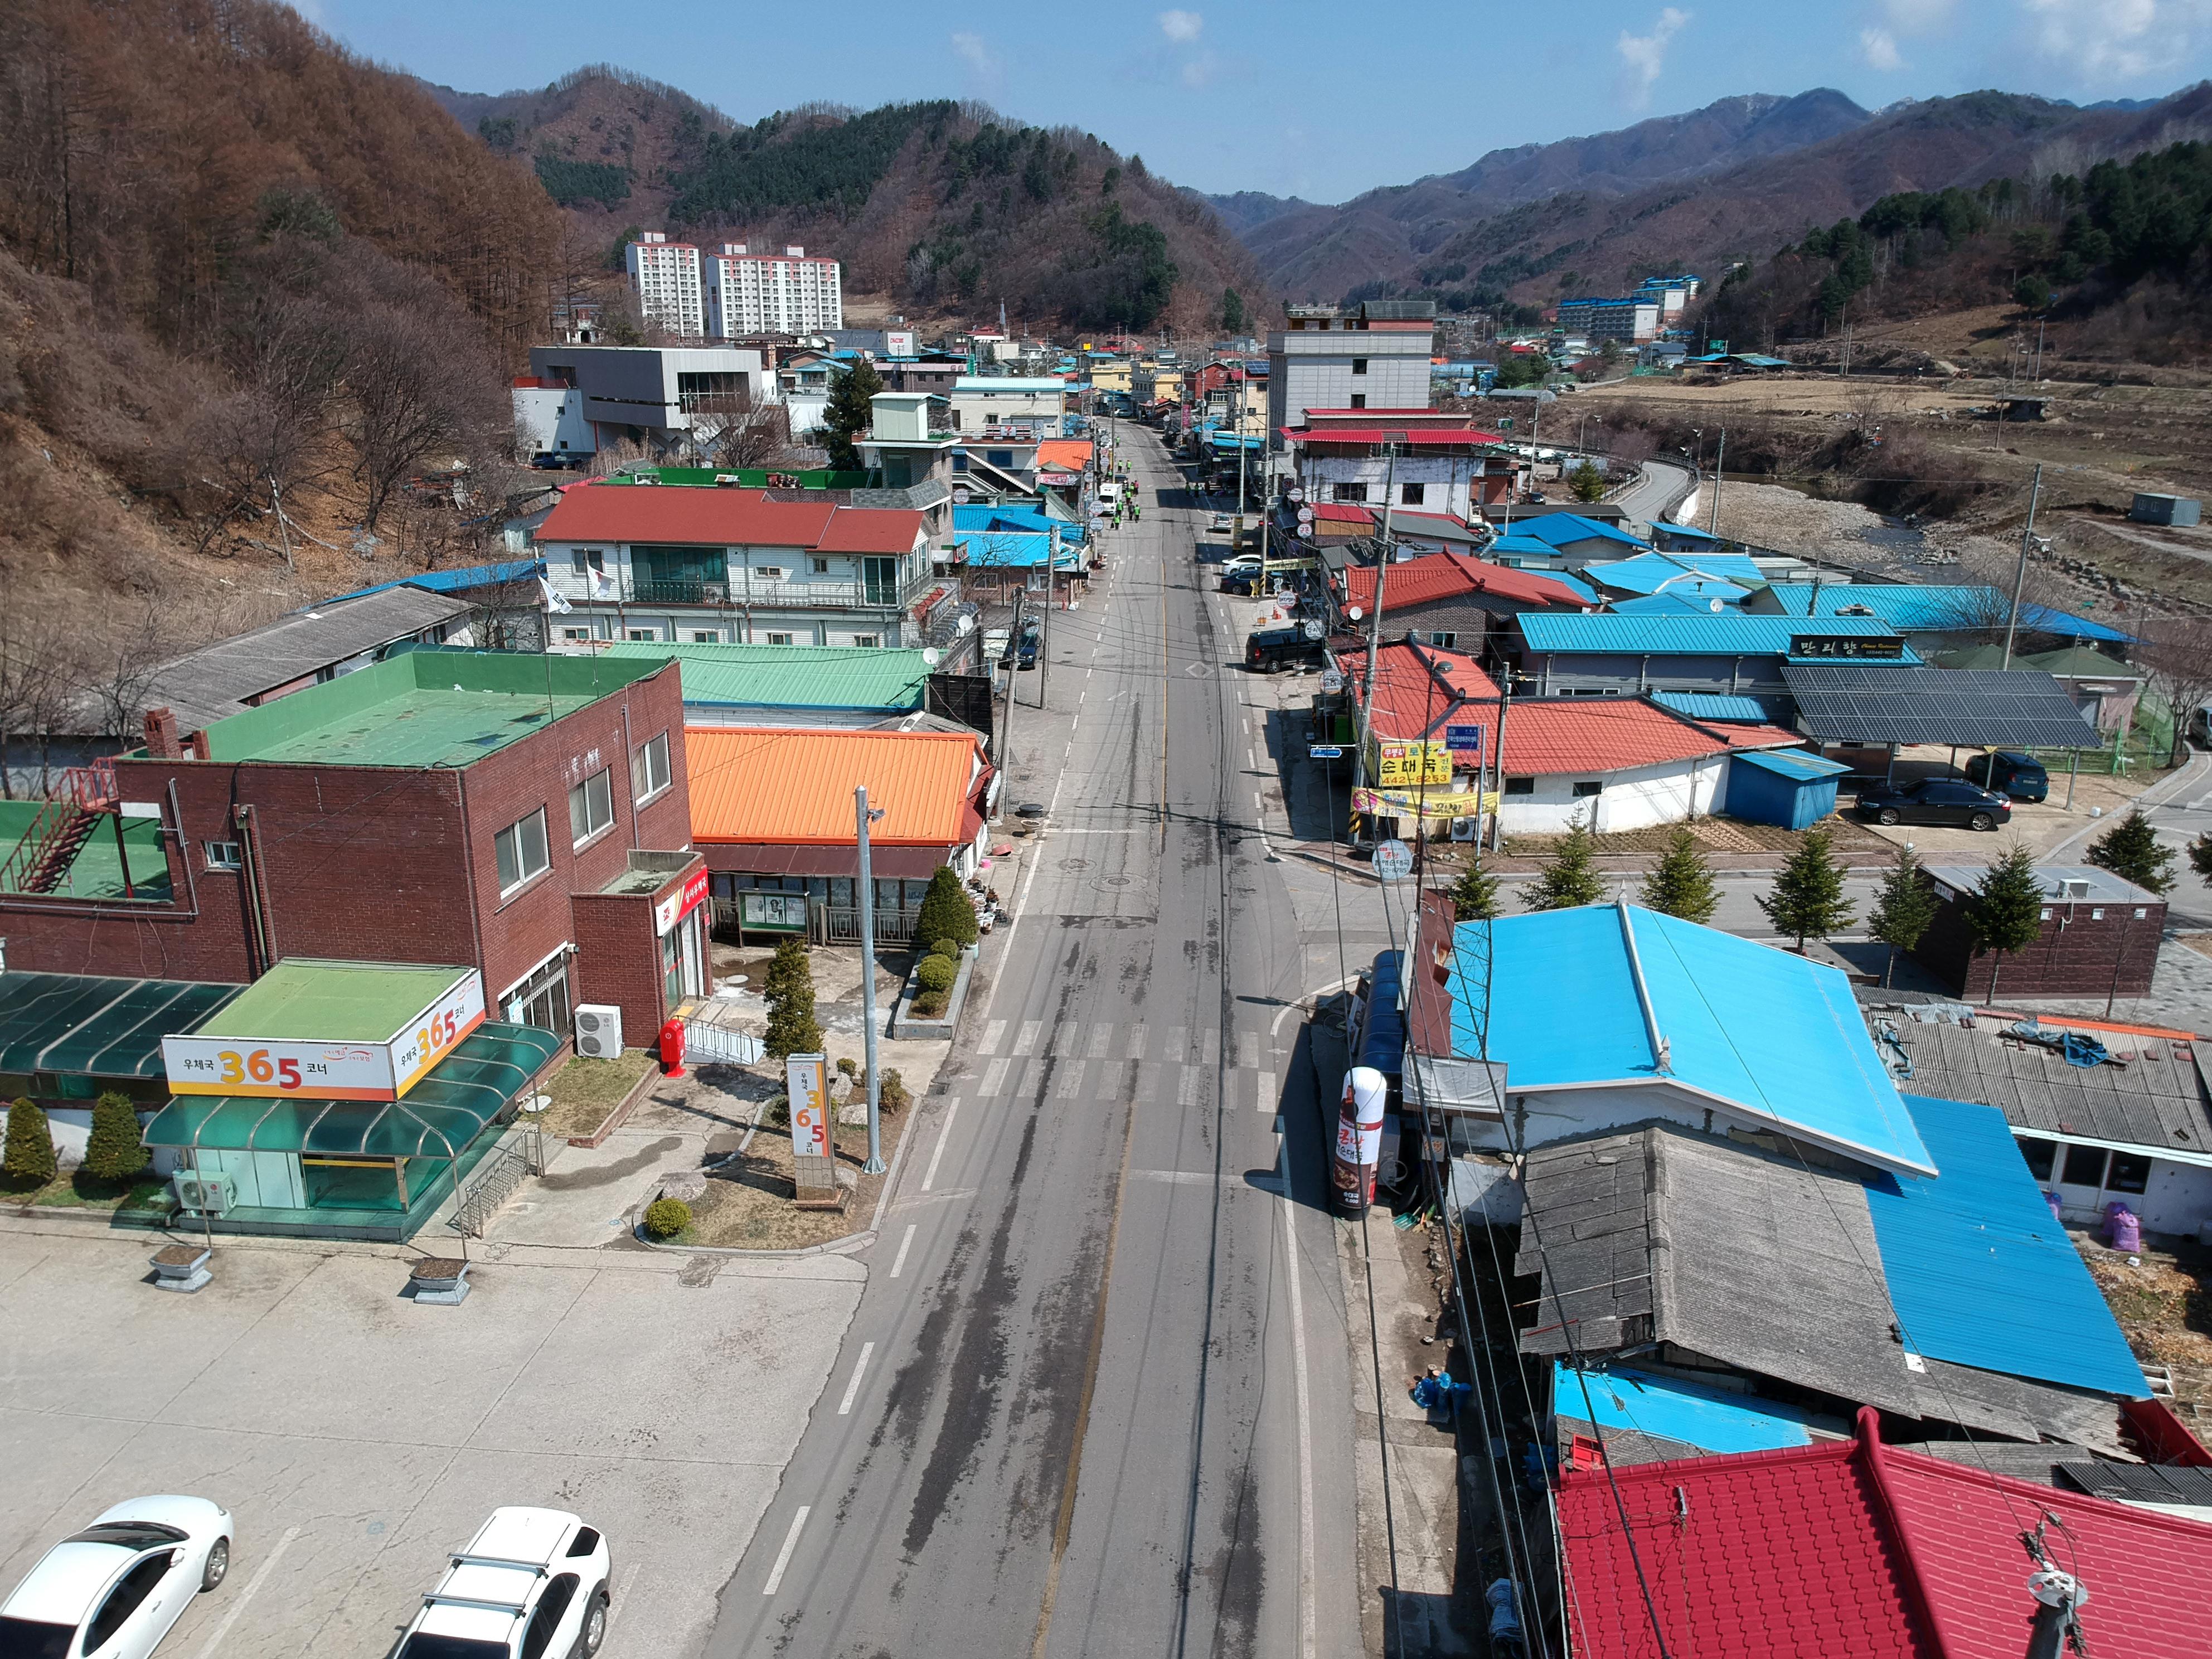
542 999
2085 1166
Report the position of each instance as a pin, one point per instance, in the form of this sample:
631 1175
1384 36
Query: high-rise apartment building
666 275
765 293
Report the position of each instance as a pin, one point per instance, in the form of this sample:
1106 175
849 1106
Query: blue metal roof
1014 549
1708 1419
1799 765
457 582
1385 1047
1767 1031
1731 574
1916 607
985 516
1556 530
1979 1271
1734 634
1714 706
1690 600
1689 530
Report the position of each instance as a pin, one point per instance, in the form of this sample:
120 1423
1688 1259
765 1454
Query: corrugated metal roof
792 676
1730 576
1735 635
772 785
1797 764
1916 607
1688 600
1668 1408
689 515
1444 574
1778 1036
1563 529
1980 1272
1713 706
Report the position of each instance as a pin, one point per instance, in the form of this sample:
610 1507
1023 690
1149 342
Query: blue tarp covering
1384 1047
1778 1036
1711 1419
1979 1271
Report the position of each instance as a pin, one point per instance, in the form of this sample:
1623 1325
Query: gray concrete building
1374 356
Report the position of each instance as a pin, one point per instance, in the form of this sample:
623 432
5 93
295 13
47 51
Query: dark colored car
1267 649
1026 648
2010 772
1935 801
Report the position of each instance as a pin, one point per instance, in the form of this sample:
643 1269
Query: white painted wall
549 420
1632 799
2177 1199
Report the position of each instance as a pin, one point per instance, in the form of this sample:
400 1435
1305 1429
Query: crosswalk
1088 1059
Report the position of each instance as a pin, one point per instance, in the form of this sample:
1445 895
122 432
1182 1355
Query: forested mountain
942 208
237 261
1383 235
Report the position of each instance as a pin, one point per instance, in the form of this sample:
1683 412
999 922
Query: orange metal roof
1064 455
770 784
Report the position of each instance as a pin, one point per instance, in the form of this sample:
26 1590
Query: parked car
1243 564
1267 649
1935 801
531 1584
2011 773
1245 581
114 1591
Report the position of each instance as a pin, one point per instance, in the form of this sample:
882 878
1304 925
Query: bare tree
417 386
36 676
119 668
737 433
2176 657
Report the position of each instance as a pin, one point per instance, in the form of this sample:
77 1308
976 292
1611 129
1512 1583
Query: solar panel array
1887 702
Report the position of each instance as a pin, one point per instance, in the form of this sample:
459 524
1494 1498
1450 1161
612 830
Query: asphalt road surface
1094 1400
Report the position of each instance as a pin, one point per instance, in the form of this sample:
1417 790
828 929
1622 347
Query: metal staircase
84 799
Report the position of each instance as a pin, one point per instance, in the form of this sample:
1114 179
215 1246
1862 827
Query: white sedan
114 1591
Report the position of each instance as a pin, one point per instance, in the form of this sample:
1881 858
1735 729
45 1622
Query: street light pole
862 818
1390 442
2019 575
1720 465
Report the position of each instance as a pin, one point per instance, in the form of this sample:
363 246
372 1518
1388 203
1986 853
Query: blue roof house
1734 653
1920 610
1608 1016
1731 575
1567 538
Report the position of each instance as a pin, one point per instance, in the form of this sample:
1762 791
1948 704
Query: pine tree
1807 899
1681 883
2006 911
2200 855
791 1027
116 1150
1587 482
2131 850
1568 878
946 912
29 1161
1474 896
1903 910
851 410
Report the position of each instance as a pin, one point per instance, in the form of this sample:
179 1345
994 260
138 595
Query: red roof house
1861 1550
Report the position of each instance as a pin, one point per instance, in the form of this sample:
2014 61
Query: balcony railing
799 589
680 593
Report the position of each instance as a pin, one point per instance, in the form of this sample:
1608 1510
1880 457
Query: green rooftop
96 872
304 999
748 477
423 708
853 677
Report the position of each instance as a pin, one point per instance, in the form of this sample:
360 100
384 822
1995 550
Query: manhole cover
1029 808
1117 881
1075 864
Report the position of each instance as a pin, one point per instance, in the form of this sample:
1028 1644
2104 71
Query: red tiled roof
1414 437
1409 698
681 514
1855 1548
1343 513
1551 735
1757 737
1442 575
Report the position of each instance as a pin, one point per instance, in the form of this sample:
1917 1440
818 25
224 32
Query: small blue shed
1793 787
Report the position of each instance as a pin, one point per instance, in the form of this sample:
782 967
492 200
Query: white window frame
869 641
223 855
605 777
643 784
642 636
514 834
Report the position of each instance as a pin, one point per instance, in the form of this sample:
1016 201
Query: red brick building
2099 937
528 816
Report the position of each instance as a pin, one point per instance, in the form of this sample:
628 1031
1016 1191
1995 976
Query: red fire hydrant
672 1048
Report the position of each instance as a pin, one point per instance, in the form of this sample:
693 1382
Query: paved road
1093 1401
1663 483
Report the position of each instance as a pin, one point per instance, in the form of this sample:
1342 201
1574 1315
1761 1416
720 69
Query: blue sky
1299 97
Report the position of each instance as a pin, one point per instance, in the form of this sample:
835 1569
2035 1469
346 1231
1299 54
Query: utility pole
2019 575
1720 462
1390 442
862 818
1505 678
1013 656
1044 651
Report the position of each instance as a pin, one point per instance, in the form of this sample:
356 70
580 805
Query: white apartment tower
666 275
786 293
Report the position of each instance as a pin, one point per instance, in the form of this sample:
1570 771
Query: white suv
531 1584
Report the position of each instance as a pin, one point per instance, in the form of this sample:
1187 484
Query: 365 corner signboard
306 1068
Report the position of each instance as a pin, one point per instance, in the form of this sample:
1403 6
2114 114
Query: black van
1267 649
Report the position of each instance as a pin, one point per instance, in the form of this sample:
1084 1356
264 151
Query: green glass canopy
440 1117
100 1026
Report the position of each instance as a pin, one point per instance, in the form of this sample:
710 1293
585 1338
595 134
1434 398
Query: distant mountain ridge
1735 181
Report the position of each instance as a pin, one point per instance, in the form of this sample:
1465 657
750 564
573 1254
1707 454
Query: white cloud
1645 55
1878 48
2105 41
975 52
1180 27
1916 16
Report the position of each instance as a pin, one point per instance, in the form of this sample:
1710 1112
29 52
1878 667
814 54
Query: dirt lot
2165 1306
1716 836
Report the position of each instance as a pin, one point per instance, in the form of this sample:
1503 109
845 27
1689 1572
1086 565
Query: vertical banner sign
806 1086
1359 1139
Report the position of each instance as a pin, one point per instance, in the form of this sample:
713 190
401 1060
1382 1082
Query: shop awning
440 1117
93 1024
774 858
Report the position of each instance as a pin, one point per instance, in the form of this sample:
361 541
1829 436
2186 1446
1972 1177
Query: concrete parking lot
358 1437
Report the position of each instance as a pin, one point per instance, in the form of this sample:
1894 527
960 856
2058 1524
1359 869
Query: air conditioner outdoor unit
599 1031
212 1194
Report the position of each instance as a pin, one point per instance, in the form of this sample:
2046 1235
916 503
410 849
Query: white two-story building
702 563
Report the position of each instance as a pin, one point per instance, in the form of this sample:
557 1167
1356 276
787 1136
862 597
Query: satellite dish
932 656
1716 605
1354 612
